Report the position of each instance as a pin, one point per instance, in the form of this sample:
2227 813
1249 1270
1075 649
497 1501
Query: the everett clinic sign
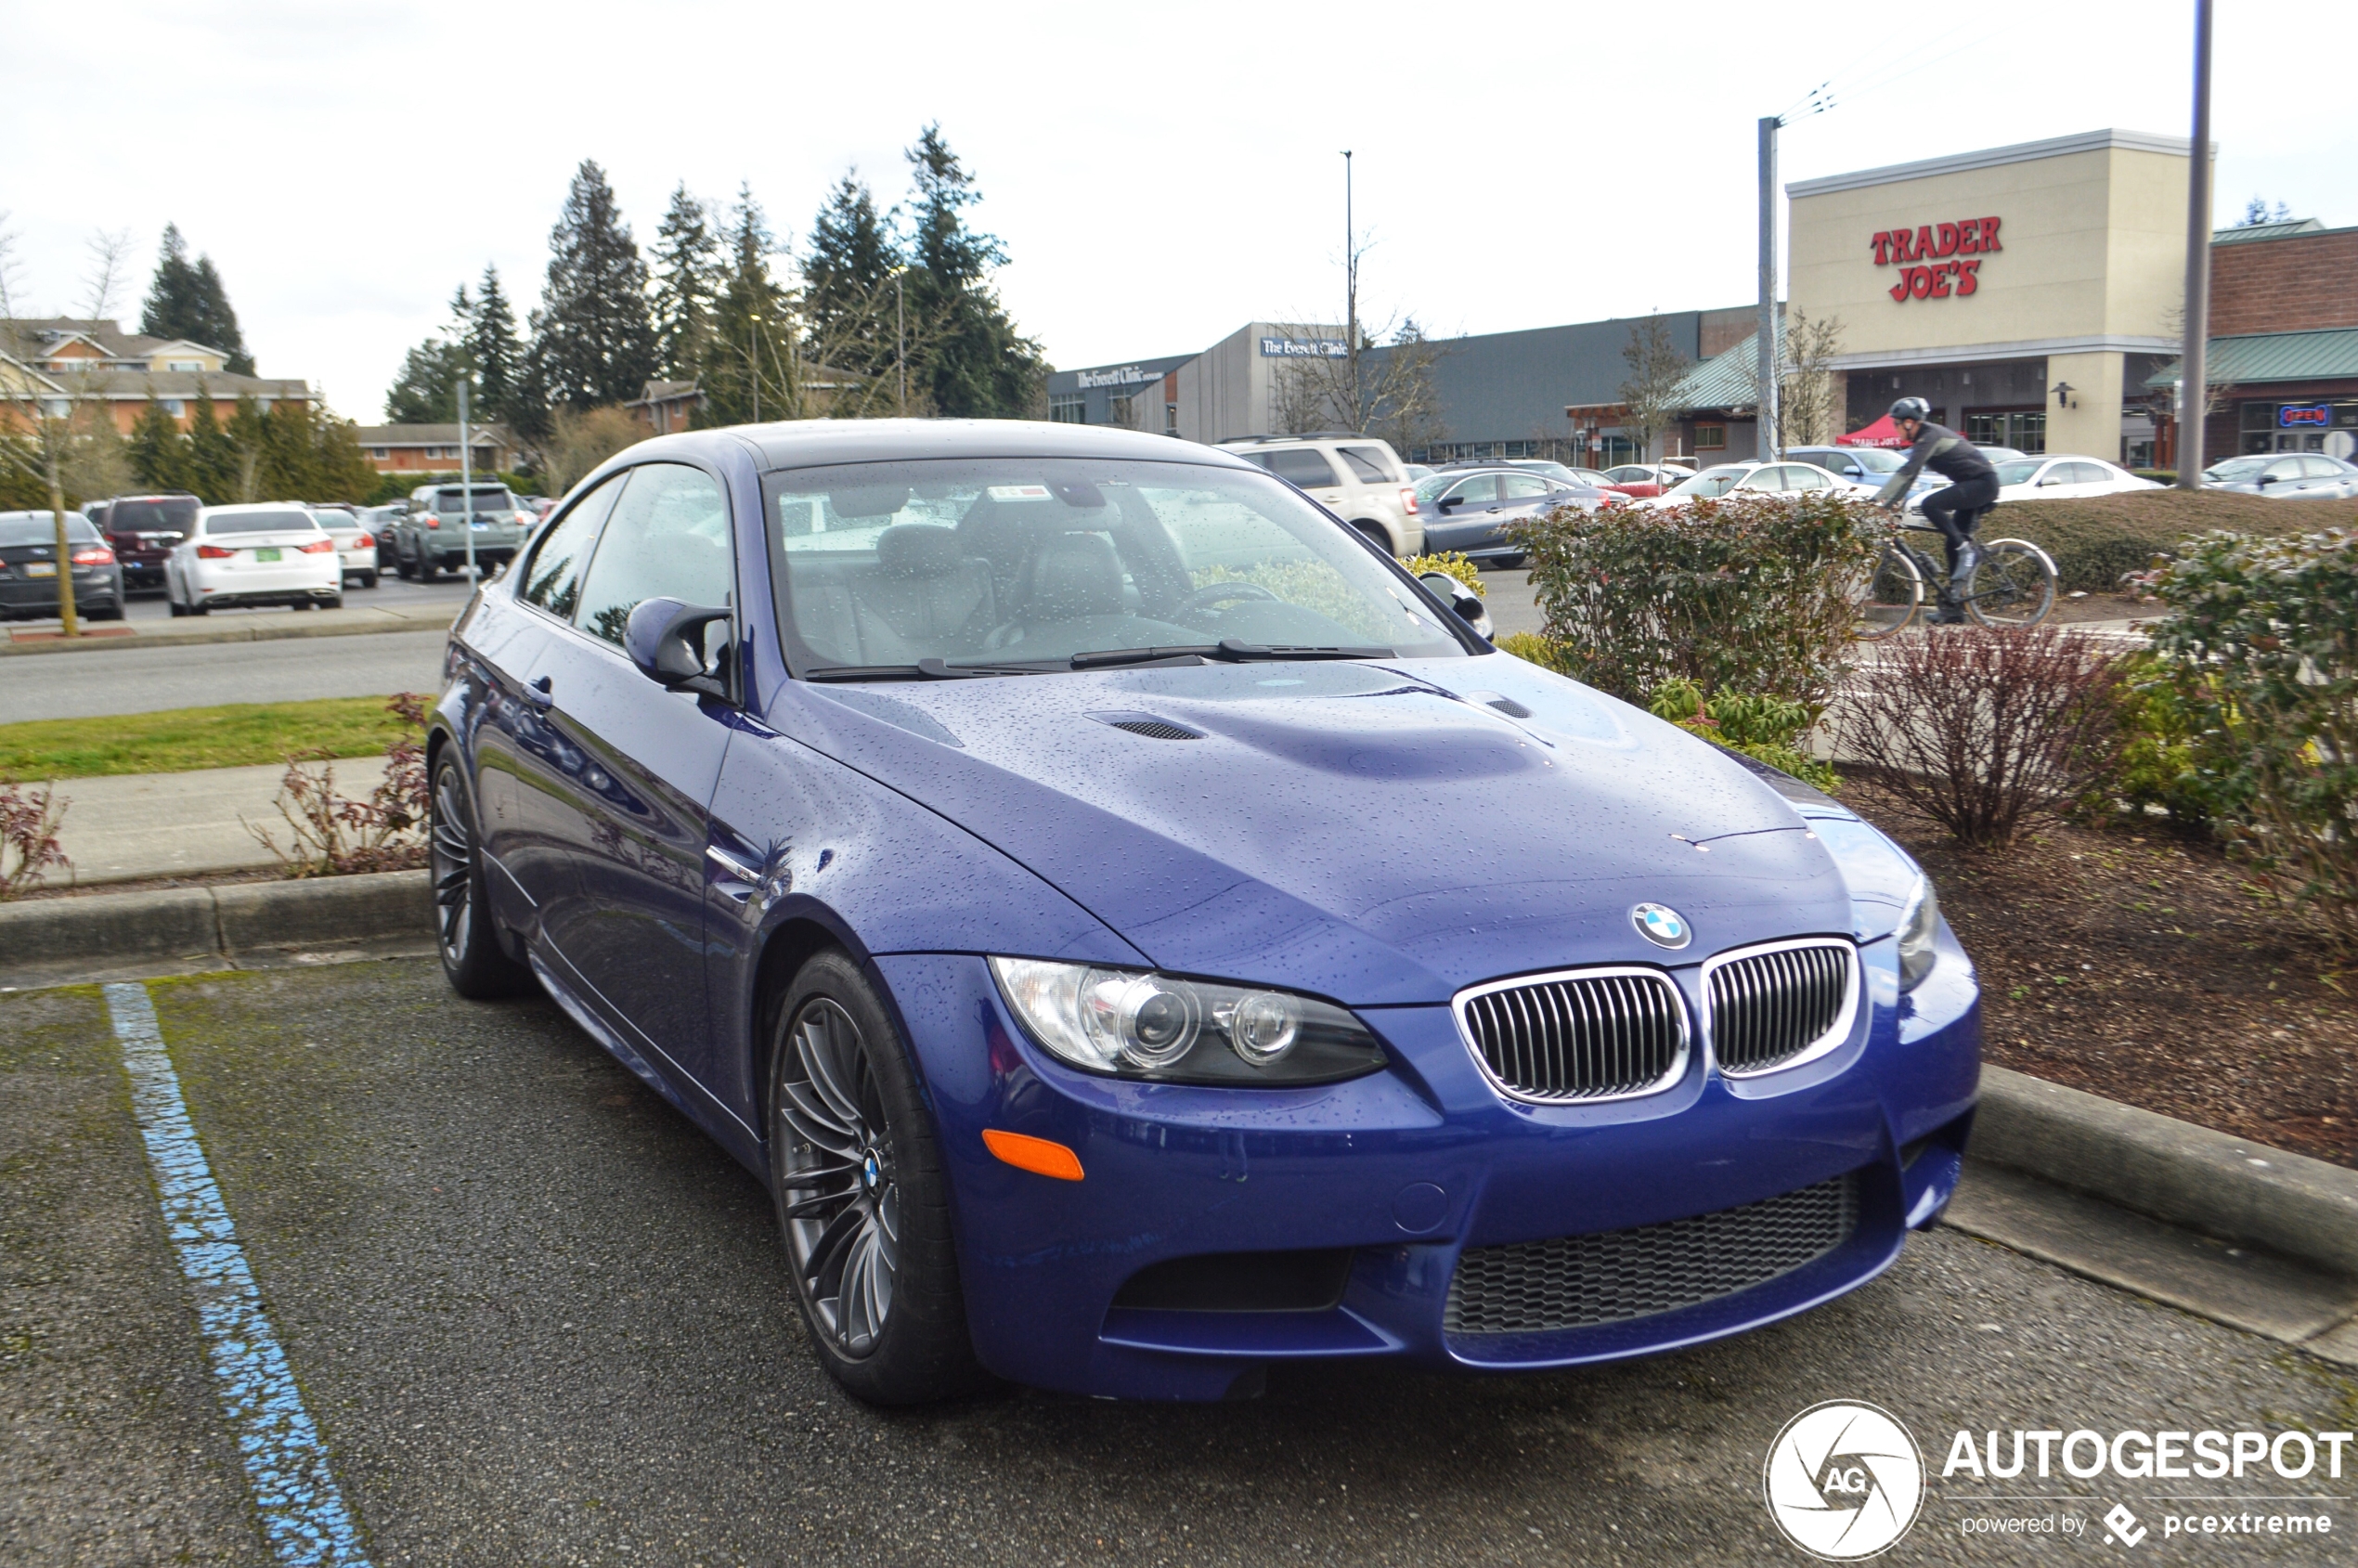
1304 348
1924 256
1129 375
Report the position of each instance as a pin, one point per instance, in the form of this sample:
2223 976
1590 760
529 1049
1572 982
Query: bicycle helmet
1910 409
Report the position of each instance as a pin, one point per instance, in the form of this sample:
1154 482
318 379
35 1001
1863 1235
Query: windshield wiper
1227 648
924 669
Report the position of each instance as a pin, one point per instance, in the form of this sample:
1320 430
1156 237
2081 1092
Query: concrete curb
271 630
188 930
2155 1165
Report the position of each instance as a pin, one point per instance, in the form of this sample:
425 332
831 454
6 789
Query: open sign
2293 416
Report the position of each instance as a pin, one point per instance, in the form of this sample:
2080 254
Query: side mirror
664 639
1446 502
2267 479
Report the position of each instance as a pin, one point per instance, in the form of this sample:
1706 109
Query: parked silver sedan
2284 476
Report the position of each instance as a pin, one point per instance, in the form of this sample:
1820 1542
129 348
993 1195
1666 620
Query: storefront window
2023 429
1710 437
1069 409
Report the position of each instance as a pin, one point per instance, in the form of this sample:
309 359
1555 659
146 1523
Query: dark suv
142 530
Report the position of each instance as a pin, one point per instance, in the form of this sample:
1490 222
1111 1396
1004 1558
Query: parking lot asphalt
539 1319
139 680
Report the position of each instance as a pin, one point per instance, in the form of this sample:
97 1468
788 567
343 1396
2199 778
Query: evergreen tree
427 390
847 296
186 300
687 272
212 471
159 452
492 350
750 372
593 342
976 365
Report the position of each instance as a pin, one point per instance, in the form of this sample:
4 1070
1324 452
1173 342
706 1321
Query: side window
1481 490
2320 468
1305 466
668 538
2285 468
1770 478
1521 487
554 580
1367 464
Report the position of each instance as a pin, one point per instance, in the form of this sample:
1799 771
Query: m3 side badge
1661 924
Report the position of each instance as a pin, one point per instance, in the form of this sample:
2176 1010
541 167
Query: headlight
1133 1023
1919 926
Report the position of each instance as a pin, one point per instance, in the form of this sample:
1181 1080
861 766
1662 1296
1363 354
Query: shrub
28 836
2165 760
334 835
1451 562
1768 729
1747 593
1535 649
1987 732
2267 630
2094 540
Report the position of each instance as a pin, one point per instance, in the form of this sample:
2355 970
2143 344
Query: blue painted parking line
302 1513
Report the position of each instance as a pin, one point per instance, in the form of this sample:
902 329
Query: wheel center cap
870 1171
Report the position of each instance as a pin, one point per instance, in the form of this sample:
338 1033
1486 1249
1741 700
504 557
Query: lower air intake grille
1579 1036
1769 1007
1580 1281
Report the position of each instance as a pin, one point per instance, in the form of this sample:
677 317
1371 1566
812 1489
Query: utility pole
466 481
900 340
1767 370
753 369
2194 369
1351 288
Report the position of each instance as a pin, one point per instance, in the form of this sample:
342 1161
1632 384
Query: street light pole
466 482
753 369
1350 283
900 341
2193 368
1767 370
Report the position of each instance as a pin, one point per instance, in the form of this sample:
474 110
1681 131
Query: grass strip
182 739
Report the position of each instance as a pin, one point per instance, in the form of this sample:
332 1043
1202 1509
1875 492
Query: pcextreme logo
1844 1480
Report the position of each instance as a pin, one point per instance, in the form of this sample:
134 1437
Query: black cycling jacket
1942 450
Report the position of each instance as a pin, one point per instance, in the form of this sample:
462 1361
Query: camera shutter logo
1844 1480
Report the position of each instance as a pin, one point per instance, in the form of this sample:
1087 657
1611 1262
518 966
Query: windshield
165 517
261 523
1710 482
2237 468
492 499
1021 561
2017 473
40 527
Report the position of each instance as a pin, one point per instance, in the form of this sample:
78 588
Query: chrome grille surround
1778 1004
1611 1276
1578 1036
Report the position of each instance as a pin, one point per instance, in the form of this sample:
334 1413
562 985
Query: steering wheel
1212 593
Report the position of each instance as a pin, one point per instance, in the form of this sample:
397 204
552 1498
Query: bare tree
1385 391
1806 400
1650 398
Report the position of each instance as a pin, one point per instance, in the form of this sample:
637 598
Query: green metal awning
2274 356
1725 380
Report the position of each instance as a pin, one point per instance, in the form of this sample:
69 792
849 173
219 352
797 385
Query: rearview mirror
1459 597
664 639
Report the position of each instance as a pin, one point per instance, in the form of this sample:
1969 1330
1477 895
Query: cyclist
1973 489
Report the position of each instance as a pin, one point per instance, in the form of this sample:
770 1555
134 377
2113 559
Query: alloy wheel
841 1201
450 853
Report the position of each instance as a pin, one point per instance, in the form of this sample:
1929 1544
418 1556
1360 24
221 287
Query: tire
368 580
1888 600
1375 535
473 959
171 606
862 1199
401 567
2013 585
335 604
300 605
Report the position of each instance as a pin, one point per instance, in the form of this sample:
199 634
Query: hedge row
2095 540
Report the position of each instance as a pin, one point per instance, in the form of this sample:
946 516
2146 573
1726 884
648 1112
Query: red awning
1883 433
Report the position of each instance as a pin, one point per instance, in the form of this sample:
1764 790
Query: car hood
1382 835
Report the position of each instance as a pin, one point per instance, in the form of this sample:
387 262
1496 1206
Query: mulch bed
2139 966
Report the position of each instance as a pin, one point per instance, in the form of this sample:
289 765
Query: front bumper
1405 1169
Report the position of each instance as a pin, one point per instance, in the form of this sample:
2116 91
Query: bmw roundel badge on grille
1661 924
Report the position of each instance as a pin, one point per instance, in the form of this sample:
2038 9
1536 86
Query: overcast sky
1160 175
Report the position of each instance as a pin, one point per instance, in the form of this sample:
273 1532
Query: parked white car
2284 476
1730 478
355 542
269 554
1358 478
2064 476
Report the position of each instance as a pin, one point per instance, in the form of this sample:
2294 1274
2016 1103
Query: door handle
542 692
736 871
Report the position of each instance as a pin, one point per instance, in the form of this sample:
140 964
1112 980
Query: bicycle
2013 585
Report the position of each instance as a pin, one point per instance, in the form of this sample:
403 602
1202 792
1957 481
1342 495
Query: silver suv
1358 478
432 536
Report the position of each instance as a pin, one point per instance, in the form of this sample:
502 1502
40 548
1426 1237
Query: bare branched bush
29 836
1985 733
331 835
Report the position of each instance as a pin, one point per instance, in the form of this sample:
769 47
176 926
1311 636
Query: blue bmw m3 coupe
1139 934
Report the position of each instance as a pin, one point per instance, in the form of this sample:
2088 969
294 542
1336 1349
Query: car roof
813 443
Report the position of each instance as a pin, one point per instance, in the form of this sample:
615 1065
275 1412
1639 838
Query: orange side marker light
1037 1155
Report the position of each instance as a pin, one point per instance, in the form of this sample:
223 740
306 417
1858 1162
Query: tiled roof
179 383
2244 233
429 434
2274 356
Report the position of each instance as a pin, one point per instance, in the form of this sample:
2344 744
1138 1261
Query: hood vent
1147 724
